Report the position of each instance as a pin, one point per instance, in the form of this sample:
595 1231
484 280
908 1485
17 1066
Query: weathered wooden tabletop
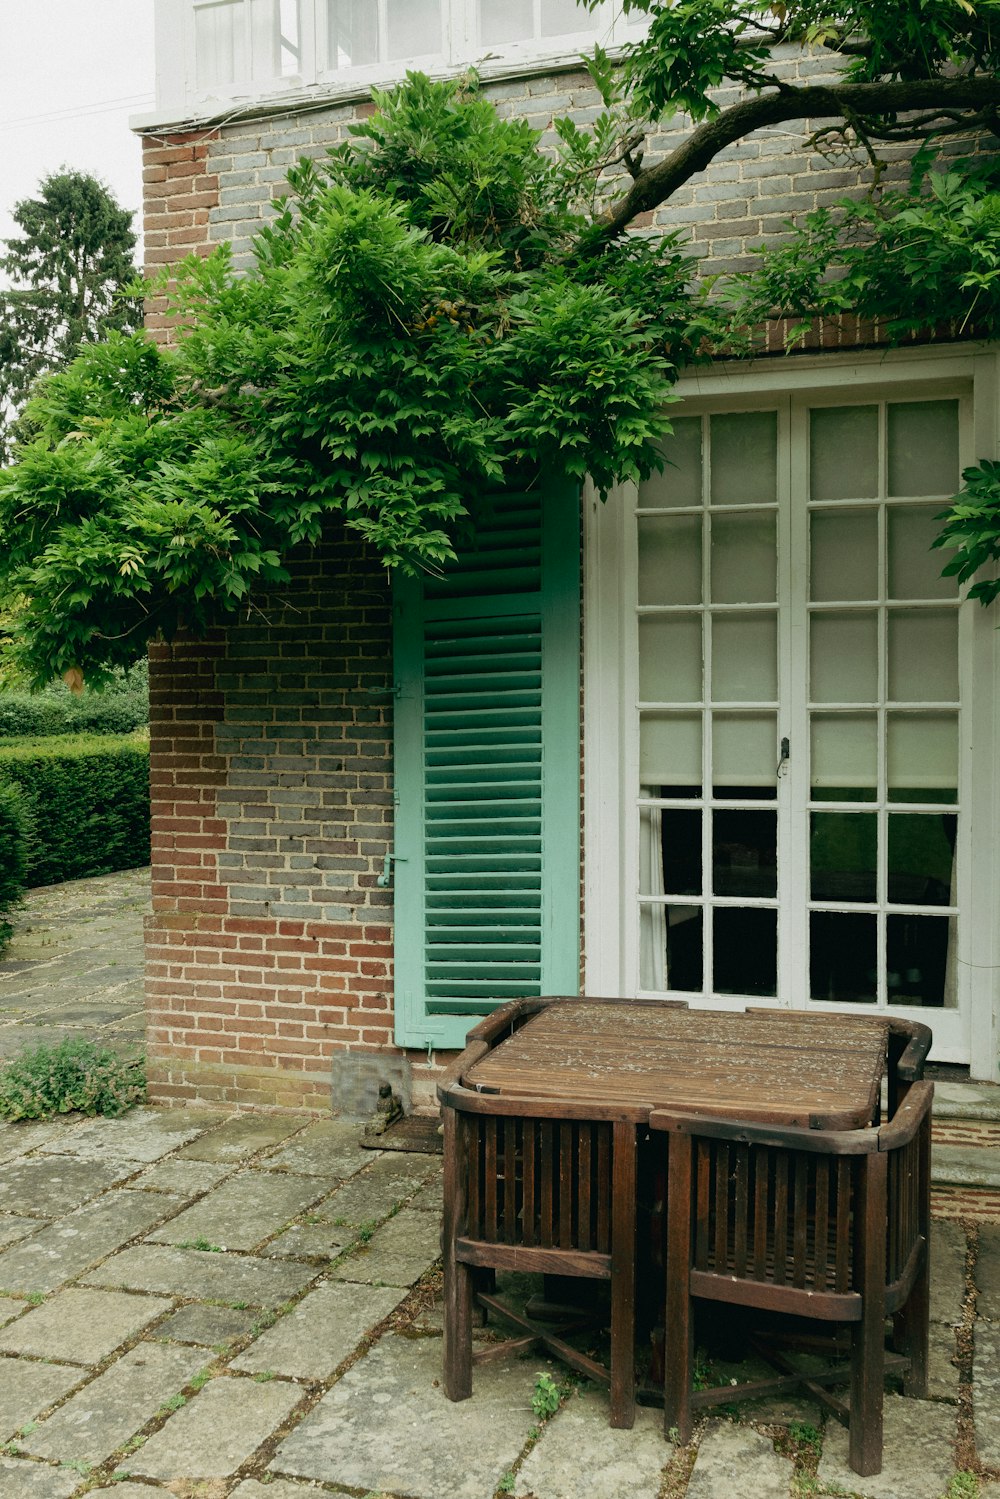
820 1071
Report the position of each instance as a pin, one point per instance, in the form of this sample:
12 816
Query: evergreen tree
66 273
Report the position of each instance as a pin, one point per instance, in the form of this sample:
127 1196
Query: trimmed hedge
119 708
89 797
14 845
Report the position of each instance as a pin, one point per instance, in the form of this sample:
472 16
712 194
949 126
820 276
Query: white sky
71 74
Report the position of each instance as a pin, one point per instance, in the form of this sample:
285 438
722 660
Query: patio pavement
245 1305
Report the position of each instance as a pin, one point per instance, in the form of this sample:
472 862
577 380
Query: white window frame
968 1033
180 98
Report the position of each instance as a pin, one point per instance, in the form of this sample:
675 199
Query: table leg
623 1194
679 1349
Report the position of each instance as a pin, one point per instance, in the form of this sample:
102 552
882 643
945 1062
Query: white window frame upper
970 1032
179 96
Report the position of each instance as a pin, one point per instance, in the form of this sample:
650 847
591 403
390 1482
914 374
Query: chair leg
458 1286
623 1194
679 1348
911 1326
868 1335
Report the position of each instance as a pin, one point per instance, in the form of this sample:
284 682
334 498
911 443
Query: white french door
794 743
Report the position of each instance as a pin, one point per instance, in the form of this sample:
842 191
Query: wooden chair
540 1186
828 1225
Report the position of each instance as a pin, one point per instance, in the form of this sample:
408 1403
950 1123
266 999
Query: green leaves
972 527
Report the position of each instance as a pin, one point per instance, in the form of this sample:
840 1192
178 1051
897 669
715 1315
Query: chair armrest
782 1136
908 1118
918 1038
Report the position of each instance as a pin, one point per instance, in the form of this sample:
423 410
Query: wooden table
542 1114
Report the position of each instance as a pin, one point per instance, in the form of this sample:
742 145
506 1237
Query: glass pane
505 21
923 656
922 859
914 569
669 851
923 447
921 960
744 754
414 28
843 453
744 458
744 658
746 950
843 658
680 481
843 555
670 559
352 30
670 947
744 559
670 668
844 756
220 44
922 757
842 856
744 853
842 957
670 754
291 52
561 16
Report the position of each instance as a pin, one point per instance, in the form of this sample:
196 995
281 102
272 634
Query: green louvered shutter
487 750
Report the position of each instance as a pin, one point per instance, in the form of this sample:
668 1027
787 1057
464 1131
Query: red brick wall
269 946
179 190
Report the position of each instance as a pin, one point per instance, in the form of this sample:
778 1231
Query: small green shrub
90 796
14 844
49 1080
545 1400
119 708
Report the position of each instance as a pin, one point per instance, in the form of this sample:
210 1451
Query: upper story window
216 55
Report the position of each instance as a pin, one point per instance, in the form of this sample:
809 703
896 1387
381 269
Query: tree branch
864 102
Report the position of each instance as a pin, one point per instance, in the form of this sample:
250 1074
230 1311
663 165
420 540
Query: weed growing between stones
76 1075
547 1397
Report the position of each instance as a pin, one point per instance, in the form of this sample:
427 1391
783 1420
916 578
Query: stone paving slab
247 1208
13 1228
578 1450
988 1272
217 1430
733 1460
948 1248
398 1253
374 1192
79 1326
194 1273
26 1389
917 1458
386 1426
986 1392
281 1488
208 1326
62 1250
48 1185
151 1133
966 1165
22 1479
28 1134
131 1490
430 1199
942 1371
96 1421
185 1178
325 1148
238 1138
311 1241
321 1330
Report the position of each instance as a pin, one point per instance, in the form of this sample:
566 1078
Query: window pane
923 447
744 559
843 557
670 947
744 457
680 481
843 453
922 859
914 569
844 756
744 754
842 959
744 658
352 32
842 856
922 757
562 16
843 658
670 754
923 656
920 960
669 851
670 559
746 950
291 52
414 29
505 21
744 853
670 668
220 44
